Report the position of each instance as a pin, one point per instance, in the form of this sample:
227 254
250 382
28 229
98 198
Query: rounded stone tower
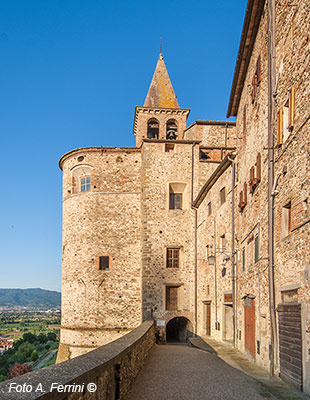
101 265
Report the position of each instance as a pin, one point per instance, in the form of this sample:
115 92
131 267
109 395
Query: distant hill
30 298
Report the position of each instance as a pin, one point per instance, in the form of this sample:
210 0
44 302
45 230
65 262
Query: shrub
34 355
19 369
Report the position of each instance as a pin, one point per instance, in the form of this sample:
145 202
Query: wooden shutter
258 70
280 126
291 106
252 175
240 200
171 297
258 167
254 88
245 194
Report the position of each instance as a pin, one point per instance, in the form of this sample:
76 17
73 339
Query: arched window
81 179
152 128
171 129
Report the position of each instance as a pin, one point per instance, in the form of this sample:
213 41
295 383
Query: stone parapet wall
112 368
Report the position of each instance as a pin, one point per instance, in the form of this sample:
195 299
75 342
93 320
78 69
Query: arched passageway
178 329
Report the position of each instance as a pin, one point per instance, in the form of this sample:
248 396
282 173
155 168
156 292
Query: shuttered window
280 126
172 297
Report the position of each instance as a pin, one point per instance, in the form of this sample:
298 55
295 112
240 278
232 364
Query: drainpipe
196 283
233 170
195 239
271 119
233 275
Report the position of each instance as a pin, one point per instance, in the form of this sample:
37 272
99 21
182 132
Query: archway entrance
179 329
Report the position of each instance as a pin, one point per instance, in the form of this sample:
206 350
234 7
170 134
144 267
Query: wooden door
228 324
290 343
249 326
171 297
208 319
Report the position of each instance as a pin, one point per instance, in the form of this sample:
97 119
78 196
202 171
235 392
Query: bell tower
160 118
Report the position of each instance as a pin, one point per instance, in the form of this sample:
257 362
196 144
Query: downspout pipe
271 119
195 240
233 277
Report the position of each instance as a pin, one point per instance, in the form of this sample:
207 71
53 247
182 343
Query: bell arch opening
179 329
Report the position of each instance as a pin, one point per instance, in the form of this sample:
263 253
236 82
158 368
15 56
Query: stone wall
112 368
99 306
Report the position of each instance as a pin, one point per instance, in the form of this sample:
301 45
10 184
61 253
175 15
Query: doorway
179 329
228 331
249 326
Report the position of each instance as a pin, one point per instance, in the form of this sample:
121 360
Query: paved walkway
180 372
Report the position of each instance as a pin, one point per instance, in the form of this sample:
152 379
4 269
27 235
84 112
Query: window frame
173 257
174 202
85 183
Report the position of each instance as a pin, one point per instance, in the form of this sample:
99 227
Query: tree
29 337
19 369
42 338
51 336
25 349
34 355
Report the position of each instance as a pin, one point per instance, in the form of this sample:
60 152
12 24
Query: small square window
169 147
222 196
85 184
104 263
175 201
173 257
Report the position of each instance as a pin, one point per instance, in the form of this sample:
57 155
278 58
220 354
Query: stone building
203 228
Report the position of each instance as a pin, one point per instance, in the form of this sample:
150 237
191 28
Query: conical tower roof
161 93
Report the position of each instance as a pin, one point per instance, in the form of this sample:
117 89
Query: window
176 191
255 174
173 257
285 117
81 178
104 263
209 208
222 242
204 154
243 259
171 129
172 297
85 184
256 249
256 80
243 198
169 147
286 219
222 196
175 201
290 296
152 128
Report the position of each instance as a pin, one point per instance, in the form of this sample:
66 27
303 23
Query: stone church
202 228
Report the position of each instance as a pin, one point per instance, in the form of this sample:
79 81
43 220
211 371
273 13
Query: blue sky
71 73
